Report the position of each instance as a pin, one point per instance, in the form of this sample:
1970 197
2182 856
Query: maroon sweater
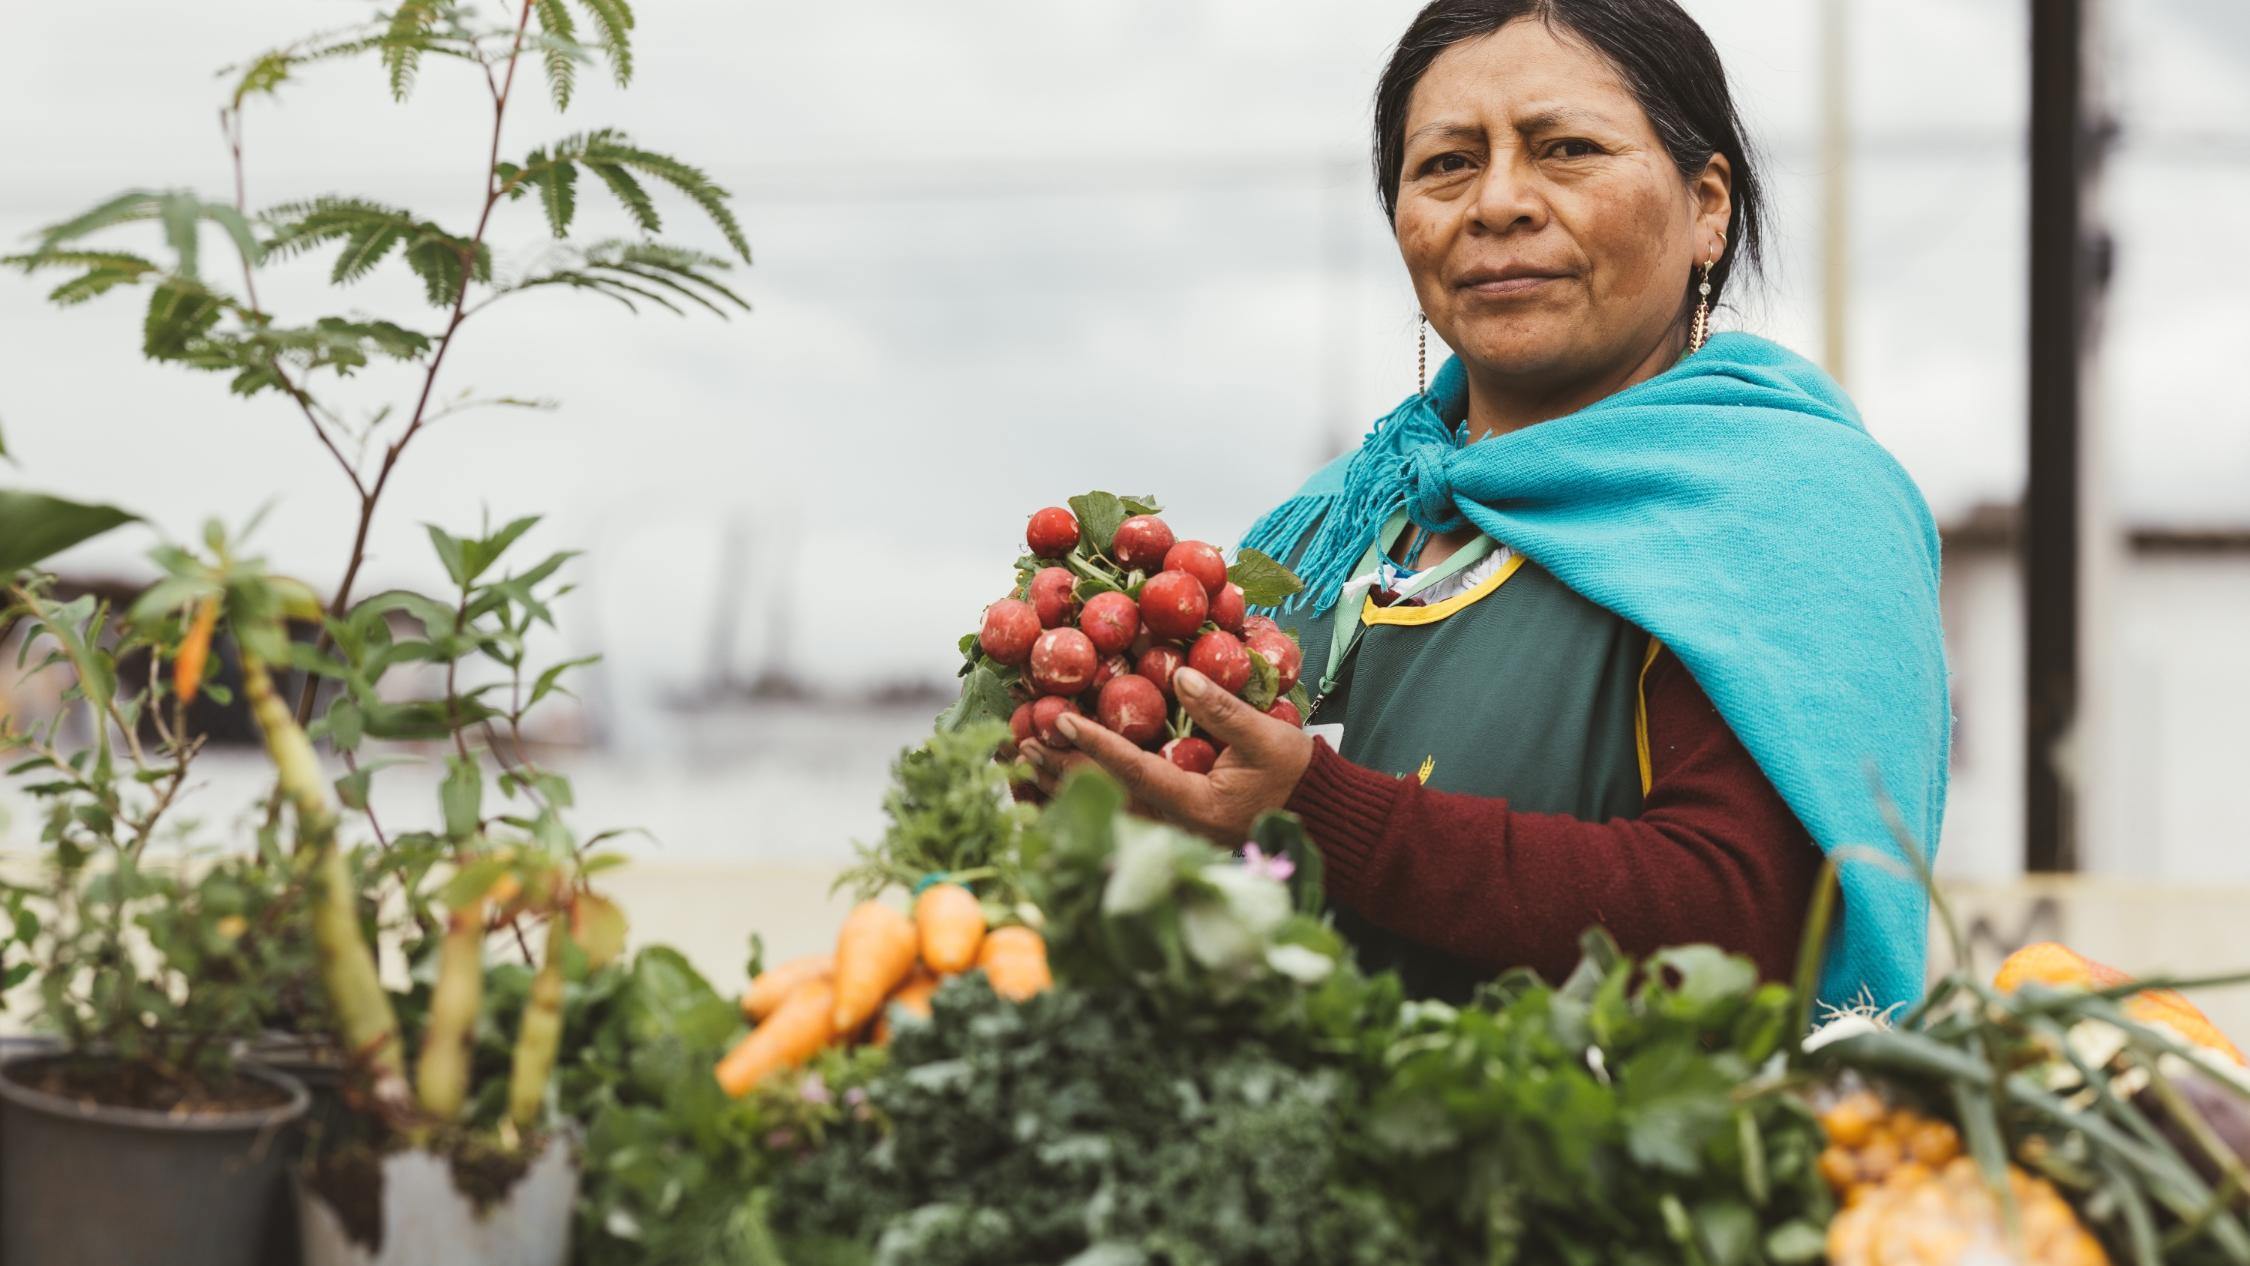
1715 856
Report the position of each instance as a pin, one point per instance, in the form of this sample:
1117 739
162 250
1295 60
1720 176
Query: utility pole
1835 187
2064 533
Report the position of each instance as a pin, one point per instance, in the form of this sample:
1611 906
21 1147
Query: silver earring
1700 331
1422 353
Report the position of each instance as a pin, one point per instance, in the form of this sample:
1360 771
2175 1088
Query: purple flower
781 1140
814 1090
855 1096
1276 868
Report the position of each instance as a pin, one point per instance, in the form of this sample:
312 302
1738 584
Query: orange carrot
952 926
1015 961
912 997
790 1036
195 650
775 984
874 952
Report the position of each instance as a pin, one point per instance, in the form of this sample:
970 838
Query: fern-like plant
506 867
199 321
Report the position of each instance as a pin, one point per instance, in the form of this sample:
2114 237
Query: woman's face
1549 235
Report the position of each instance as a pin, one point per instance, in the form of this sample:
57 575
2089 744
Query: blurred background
1007 252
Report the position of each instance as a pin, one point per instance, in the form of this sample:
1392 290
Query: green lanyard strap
1344 633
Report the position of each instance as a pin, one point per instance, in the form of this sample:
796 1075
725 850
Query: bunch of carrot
883 959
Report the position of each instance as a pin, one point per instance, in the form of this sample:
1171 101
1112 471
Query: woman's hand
1258 770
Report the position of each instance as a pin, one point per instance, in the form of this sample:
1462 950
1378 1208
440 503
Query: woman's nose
1508 197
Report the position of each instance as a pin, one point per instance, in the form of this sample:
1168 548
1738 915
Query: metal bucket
426 1221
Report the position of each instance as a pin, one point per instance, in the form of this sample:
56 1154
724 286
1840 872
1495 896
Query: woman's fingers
1232 719
1047 765
1150 779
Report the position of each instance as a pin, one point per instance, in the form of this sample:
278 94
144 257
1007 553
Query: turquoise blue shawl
1735 507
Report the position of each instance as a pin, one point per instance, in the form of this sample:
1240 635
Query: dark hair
1664 58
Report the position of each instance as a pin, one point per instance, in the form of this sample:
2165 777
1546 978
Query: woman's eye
1445 164
1572 148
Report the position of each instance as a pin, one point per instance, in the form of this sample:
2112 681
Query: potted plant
449 1158
336 669
137 1135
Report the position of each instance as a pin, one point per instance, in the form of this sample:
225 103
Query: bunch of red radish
1152 605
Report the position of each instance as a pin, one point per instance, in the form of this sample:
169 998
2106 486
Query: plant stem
371 495
347 966
541 1034
441 1079
230 122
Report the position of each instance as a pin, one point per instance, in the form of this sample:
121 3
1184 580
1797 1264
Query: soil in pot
106 1164
472 1202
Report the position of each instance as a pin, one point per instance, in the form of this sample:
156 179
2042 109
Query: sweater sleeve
1715 856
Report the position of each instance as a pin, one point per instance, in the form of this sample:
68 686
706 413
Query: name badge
1333 731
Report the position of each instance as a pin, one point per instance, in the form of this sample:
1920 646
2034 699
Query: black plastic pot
127 1187
314 1063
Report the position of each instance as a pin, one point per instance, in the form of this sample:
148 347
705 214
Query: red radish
1111 620
1158 663
1221 657
1053 532
1132 706
1063 662
1108 670
1019 722
1283 710
1199 559
1252 624
1141 641
1191 754
1281 651
1010 625
1051 589
1173 604
1229 609
1141 542
1043 714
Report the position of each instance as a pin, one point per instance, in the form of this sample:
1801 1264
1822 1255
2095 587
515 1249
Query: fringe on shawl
1377 483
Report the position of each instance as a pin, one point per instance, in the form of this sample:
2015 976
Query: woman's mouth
1506 283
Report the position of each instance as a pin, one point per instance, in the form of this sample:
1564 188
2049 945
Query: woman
1611 624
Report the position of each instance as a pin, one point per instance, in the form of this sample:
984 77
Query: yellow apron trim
1429 766
1436 611
1640 718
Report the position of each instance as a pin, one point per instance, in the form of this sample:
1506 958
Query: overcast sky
1006 252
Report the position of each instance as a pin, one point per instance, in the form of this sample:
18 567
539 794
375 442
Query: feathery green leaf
182 225
369 231
403 43
105 271
558 183
688 179
130 207
559 48
609 148
264 73
364 250
237 227
616 21
181 311
650 271
631 193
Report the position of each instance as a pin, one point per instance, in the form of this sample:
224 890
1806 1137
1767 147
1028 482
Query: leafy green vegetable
1098 513
1265 583
1081 1127
950 813
1604 1120
984 698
